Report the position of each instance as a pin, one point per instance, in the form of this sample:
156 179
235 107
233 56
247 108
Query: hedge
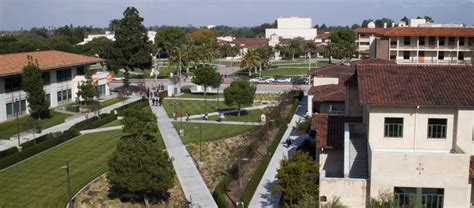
8 152
36 141
142 103
56 139
219 191
95 122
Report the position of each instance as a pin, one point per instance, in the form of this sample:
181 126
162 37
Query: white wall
307 34
294 23
318 81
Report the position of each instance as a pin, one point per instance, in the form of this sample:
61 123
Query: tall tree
405 19
131 49
139 167
343 43
170 37
295 46
207 76
250 61
240 92
139 122
32 84
86 90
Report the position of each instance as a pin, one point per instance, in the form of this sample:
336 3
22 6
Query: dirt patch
96 195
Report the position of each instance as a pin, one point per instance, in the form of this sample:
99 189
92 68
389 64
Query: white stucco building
293 27
111 36
62 74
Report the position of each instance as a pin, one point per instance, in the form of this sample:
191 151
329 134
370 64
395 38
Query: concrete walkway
200 116
223 122
90 131
193 185
5 144
263 196
198 99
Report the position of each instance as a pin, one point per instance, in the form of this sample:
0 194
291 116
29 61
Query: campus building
407 130
62 74
293 27
111 36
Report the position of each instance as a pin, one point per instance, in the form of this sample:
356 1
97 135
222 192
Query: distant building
111 36
62 74
293 27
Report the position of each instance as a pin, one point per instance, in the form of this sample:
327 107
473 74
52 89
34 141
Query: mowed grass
201 95
193 107
113 123
291 70
41 182
210 132
110 102
9 128
245 116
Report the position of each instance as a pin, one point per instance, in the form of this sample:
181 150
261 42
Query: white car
283 80
268 79
118 78
256 80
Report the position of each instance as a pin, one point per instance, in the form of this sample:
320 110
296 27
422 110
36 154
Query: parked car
283 80
256 80
118 78
268 79
301 81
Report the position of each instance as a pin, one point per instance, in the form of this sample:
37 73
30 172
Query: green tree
342 43
297 177
32 84
86 90
98 46
381 22
250 61
139 167
295 46
428 19
170 37
207 76
265 54
138 121
131 48
405 19
239 92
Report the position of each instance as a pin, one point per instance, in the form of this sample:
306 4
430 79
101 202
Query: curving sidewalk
193 185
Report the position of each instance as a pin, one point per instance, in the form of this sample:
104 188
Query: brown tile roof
328 93
372 61
250 42
430 85
430 31
326 35
330 130
331 71
13 63
344 77
376 31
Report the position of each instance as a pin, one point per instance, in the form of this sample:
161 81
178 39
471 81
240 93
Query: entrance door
421 57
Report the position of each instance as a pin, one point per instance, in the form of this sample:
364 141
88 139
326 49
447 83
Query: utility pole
17 118
66 167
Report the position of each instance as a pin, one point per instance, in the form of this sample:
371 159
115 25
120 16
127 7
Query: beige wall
465 130
332 163
352 192
318 81
447 171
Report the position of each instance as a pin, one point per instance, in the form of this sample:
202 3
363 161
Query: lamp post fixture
66 167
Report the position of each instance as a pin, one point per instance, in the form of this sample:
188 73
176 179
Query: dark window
16 107
461 41
461 55
12 83
441 55
63 75
64 95
437 128
441 41
432 40
406 55
393 57
422 40
406 40
46 78
418 197
80 70
393 42
451 41
471 41
393 127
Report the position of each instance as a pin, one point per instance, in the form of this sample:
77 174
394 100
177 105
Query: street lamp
66 167
17 119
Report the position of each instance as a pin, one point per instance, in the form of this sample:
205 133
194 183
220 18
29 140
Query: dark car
301 81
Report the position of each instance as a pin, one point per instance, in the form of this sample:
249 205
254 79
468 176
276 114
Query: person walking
187 117
206 117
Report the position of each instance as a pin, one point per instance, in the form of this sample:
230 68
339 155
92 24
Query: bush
140 103
57 138
292 111
8 152
38 140
95 122
219 192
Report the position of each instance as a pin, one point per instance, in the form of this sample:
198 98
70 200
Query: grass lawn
201 95
8 128
291 70
227 62
245 116
110 102
113 123
193 107
41 182
210 132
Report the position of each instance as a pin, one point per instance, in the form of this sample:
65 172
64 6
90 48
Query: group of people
156 101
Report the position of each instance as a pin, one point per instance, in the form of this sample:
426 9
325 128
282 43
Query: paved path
200 116
263 196
193 185
63 126
223 122
90 131
199 99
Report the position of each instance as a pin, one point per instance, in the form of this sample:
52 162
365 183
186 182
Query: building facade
293 27
62 74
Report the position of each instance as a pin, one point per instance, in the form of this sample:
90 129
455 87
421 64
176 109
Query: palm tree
330 51
309 46
250 60
295 47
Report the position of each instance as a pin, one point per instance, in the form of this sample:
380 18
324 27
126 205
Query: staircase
358 157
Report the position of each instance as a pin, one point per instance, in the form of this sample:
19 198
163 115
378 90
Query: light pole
179 69
181 131
66 167
17 119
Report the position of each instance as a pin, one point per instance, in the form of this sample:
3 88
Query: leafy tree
207 76
381 22
32 84
309 46
202 36
86 89
308 201
295 46
264 53
170 37
239 92
250 61
342 43
428 19
297 177
405 19
98 46
131 48
384 200
139 167
139 122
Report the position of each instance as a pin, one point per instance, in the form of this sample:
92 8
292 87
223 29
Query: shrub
95 122
8 152
36 141
219 191
140 103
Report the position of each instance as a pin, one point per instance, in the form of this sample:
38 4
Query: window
441 55
393 127
63 75
437 128
418 197
461 55
12 83
393 57
406 40
422 41
393 42
451 40
364 43
64 95
432 40
16 107
101 89
406 55
47 97
461 41
441 41
471 41
46 78
80 70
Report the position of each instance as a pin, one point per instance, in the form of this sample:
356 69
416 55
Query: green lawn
291 70
192 107
210 132
245 116
41 182
110 102
113 123
9 128
227 62
201 95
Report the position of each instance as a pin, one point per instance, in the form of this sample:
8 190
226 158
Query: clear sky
16 14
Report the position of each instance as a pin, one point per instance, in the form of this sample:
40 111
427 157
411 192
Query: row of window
432 41
441 55
14 108
13 83
436 128
64 95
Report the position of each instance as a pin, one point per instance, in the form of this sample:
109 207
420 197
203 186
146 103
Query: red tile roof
412 85
331 71
14 63
328 93
250 42
430 31
376 31
372 61
330 130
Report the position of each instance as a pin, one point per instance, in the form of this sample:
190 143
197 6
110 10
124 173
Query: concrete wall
381 49
318 81
332 163
307 34
294 23
352 192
